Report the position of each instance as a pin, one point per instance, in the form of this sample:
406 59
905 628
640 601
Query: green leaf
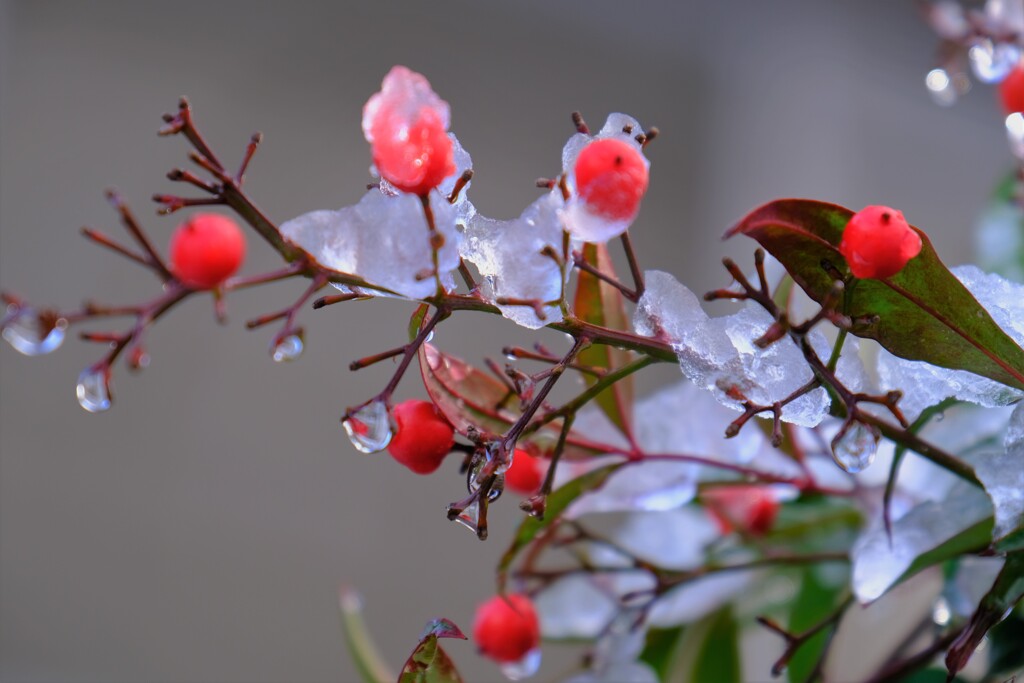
812 605
557 502
924 313
416 321
1005 593
1007 655
429 663
602 304
368 661
709 650
661 650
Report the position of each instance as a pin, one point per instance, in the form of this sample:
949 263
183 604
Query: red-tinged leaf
469 397
602 304
429 663
556 503
924 312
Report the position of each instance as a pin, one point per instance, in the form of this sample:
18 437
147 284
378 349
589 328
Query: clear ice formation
508 256
718 354
1002 474
926 385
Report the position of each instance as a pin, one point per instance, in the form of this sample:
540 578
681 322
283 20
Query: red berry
611 178
525 475
506 628
423 437
878 242
748 509
1011 90
406 124
206 250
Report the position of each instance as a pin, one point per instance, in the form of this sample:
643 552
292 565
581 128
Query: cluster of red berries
878 242
206 250
424 437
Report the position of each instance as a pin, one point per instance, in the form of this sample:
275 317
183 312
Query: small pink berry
206 250
506 628
749 509
611 178
525 475
424 437
878 242
406 124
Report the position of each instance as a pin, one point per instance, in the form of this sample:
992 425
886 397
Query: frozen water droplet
25 334
430 337
369 428
991 61
855 449
474 479
522 668
941 613
468 517
940 87
288 348
93 390
1015 134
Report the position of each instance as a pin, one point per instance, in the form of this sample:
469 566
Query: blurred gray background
199 531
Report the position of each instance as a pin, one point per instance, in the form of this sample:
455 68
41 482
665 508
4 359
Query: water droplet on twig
27 335
369 428
854 449
288 348
93 389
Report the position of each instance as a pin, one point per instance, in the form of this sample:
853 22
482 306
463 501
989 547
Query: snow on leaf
1003 477
574 607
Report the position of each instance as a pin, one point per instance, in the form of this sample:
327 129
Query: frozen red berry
206 250
878 242
748 509
506 628
406 124
423 438
525 474
611 178
1011 90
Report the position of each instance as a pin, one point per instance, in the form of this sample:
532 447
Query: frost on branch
719 355
384 239
510 256
1004 300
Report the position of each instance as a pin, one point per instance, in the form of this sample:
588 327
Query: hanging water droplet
991 61
474 478
522 668
469 517
288 348
941 612
430 337
28 334
940 87
855 449
369 428
93 390
1015 134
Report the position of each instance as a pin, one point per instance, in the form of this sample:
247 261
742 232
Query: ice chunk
573 607
673 539
718 354
508 256
878 565
925 384
383 239
640 485
1002 474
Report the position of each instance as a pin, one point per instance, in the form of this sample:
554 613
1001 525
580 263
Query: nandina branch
795 641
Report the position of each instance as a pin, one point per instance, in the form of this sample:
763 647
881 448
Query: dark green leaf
1007 655
661 649
602 304
556 504
429 663
813 604
709 650
924 312
1005 593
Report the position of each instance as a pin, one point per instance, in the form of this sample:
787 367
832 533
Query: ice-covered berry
878 242
748 509
206 250
406 124
525 474
423 438
611 179
506 628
